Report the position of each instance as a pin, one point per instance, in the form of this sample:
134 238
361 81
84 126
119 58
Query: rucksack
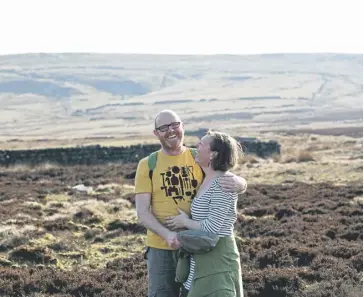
152 161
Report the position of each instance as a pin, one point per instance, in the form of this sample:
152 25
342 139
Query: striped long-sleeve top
216 212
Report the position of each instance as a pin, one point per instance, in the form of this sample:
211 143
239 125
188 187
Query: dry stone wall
91 155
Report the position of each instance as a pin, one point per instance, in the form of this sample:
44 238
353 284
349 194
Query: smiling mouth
172 137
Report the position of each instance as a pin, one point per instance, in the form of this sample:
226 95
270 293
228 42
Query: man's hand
177 222
233 183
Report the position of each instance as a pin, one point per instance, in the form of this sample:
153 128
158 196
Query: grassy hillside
96 95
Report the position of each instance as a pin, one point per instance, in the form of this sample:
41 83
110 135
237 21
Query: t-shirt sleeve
218 210
143 184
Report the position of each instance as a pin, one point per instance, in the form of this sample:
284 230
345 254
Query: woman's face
203 151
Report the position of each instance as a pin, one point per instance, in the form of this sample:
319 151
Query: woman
217 272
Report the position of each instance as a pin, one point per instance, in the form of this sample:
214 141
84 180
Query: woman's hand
174 243
170 237
172 240
177 222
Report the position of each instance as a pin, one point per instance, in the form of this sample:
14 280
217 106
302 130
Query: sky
181 27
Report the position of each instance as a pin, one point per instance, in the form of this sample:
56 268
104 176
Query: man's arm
233 183
241 183
147 219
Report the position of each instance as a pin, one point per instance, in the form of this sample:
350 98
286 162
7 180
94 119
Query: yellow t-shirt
175 183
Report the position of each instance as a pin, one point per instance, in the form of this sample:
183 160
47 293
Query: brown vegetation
294 240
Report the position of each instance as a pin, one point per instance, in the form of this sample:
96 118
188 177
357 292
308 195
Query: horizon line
178 54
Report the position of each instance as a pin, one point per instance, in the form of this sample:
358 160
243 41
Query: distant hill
92 95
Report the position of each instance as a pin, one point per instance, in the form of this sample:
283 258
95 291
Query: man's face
170 131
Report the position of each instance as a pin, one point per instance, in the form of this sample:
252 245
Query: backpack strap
193 152
152 161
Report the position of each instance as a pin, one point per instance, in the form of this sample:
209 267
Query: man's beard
172 144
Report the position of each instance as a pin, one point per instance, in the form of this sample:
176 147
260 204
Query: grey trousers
162 266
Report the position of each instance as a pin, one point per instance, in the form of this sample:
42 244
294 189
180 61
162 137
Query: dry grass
358 200
33 205
89 229
305 156
299 156
249 159
26 167
310 159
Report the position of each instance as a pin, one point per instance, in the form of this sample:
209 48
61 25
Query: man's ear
155 132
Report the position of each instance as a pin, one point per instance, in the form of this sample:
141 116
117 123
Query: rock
5 263
83 188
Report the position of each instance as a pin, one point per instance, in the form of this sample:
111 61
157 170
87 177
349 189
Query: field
68 96
299 227
73 231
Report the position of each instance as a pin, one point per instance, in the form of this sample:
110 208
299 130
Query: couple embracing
186 198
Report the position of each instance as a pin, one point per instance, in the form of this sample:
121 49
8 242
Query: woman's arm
218 211
191 224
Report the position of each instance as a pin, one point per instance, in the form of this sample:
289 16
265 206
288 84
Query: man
173 185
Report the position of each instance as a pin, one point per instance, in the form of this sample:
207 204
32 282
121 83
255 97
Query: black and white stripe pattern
216 212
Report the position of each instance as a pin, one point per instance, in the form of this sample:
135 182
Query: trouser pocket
161 273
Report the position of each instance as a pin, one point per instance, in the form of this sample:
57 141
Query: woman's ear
214 155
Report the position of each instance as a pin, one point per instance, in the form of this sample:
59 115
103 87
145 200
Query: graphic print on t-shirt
179 182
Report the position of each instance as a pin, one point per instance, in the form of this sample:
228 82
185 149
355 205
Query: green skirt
222 284
218 272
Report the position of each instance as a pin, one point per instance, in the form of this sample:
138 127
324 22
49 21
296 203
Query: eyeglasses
165 128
